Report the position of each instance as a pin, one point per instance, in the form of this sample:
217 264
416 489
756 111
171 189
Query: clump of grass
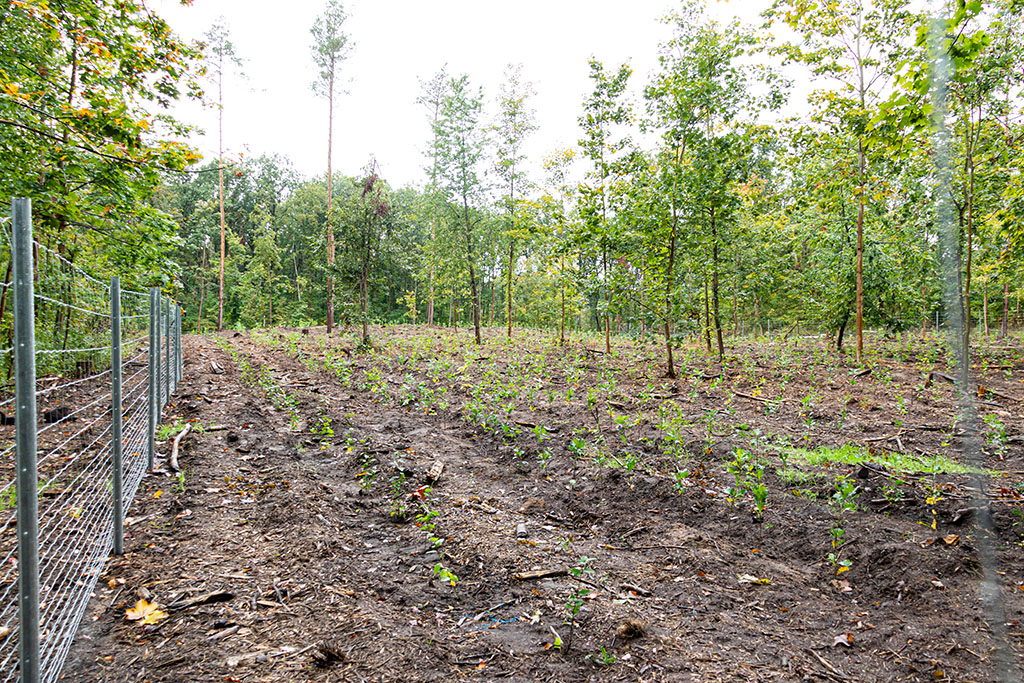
849 454
797 477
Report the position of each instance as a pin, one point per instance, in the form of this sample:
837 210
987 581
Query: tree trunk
607 305
669 275
714 287
1004 325
511 263
220 174
562 327
472 269
842 330
969 162
330 205
861 170
430 276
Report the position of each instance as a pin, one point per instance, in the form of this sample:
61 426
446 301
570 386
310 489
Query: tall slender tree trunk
511 265
607 305
561 337
861 169
1004 325
669 276
330 204
220 181
969 162
472 269
714 286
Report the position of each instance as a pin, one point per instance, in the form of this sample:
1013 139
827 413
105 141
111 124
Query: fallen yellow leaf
147 612
158 494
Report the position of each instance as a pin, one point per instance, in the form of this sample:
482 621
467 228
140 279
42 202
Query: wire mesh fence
75 353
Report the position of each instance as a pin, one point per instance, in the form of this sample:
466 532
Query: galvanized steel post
25 437
116 413
167 363
181 353
151 389
157 380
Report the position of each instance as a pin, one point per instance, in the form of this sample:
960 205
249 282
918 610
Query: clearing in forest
430 509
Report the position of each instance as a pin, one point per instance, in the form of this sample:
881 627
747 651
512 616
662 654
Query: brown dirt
297 522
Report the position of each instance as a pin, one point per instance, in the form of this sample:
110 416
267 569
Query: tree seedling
574 604
843 500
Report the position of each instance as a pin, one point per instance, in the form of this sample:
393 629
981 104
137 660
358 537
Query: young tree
604 111
515 122
701 101
220 49
859 44
431 96
460 149
331 46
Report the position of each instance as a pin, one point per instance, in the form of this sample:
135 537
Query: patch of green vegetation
797 477
169 430
849 454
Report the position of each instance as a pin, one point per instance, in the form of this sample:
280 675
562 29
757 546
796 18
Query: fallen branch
174 448
941 375
984 391
828 665
543 574
215 596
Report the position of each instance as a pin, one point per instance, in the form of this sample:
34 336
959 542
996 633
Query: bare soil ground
302 544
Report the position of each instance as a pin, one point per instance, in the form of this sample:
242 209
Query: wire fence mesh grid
73 391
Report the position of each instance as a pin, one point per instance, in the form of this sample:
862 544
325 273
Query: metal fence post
181 353
25 436
167 354
151 389
116 414
158 346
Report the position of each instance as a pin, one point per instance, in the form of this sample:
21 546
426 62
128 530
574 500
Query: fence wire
73 394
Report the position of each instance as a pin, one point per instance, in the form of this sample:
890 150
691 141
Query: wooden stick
827 664
174 448
545 574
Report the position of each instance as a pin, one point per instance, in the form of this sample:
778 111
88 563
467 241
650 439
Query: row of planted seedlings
443 372
261 378
402 500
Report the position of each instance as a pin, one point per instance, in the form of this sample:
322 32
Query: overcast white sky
398 42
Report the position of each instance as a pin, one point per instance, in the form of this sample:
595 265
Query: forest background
694 203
